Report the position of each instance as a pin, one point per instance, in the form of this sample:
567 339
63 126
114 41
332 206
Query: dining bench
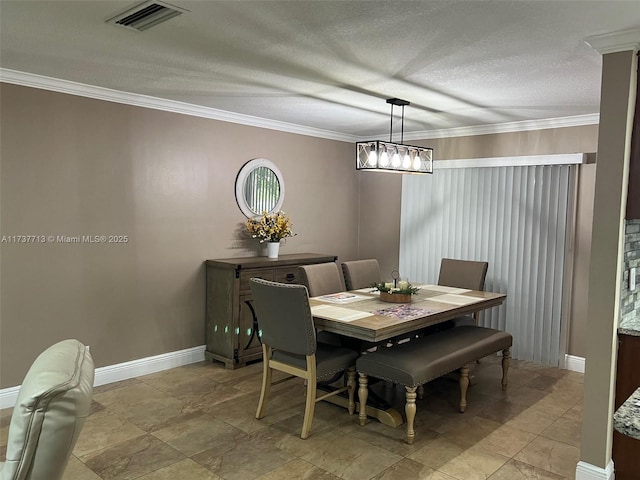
414 363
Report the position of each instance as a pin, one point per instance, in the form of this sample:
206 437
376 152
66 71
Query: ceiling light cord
402 127
391 128
401 122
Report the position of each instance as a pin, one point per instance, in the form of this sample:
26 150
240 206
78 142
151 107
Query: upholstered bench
423 359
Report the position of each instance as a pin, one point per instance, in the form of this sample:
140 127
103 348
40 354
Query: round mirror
259 187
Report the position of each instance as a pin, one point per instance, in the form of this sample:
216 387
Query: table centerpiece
395 294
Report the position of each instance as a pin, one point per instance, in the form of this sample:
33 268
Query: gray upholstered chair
52 405
289 345
361 273
463 274
322 278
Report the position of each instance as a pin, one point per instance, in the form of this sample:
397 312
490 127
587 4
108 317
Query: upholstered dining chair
322 278
467 274
52 405
289 345
361 273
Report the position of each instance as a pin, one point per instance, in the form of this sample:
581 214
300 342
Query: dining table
363 316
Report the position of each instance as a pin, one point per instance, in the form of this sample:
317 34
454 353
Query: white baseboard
8 396
573 363
126 370
586 471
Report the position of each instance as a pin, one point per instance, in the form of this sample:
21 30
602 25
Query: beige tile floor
197 423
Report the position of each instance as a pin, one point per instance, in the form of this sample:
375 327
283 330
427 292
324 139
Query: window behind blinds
514 217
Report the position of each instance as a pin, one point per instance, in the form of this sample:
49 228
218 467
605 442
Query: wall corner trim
586 471
126 370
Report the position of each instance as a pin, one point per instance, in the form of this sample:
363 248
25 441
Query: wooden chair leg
464 384
309 408
363 394
351 385
266 381
410 412
506 360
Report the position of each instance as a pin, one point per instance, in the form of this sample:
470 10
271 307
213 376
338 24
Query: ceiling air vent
146 15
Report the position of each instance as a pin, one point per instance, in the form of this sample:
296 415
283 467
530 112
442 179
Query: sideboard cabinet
232 330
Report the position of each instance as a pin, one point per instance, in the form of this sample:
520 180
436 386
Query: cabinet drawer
246 275
287 275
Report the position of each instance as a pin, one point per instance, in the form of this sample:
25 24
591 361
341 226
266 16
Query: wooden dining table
360 314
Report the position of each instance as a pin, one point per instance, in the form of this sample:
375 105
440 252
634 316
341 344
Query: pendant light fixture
381 156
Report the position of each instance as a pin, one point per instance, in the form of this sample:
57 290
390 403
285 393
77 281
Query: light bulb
406 162
373 158
384 159
416 162
395 160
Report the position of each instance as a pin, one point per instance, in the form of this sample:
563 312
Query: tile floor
197 423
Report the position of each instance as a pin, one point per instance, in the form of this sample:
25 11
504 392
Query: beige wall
582 252
380 197
379 226
77 166
534 142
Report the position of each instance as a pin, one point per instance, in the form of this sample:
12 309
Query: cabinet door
249 345
625 449
627 374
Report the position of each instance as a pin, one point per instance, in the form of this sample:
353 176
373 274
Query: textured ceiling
330 65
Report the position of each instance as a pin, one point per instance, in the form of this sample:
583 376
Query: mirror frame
244 173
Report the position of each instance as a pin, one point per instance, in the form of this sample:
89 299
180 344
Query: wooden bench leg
464 384
421 392
363 393
506 360
410 412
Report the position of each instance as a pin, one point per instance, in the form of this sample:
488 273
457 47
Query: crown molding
522 126
615 41
138 100
145 101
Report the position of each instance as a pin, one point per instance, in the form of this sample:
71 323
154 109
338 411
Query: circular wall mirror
259 187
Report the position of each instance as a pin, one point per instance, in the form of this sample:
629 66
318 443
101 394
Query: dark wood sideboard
231 322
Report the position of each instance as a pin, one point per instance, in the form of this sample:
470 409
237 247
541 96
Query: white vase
273 248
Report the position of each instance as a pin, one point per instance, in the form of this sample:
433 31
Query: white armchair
50 411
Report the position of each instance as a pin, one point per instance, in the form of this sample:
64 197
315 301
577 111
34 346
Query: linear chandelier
381 156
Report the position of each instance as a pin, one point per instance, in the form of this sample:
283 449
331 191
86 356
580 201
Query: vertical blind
262 189
515 218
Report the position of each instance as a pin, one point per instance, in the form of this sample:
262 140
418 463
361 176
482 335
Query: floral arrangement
389 288
270 227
